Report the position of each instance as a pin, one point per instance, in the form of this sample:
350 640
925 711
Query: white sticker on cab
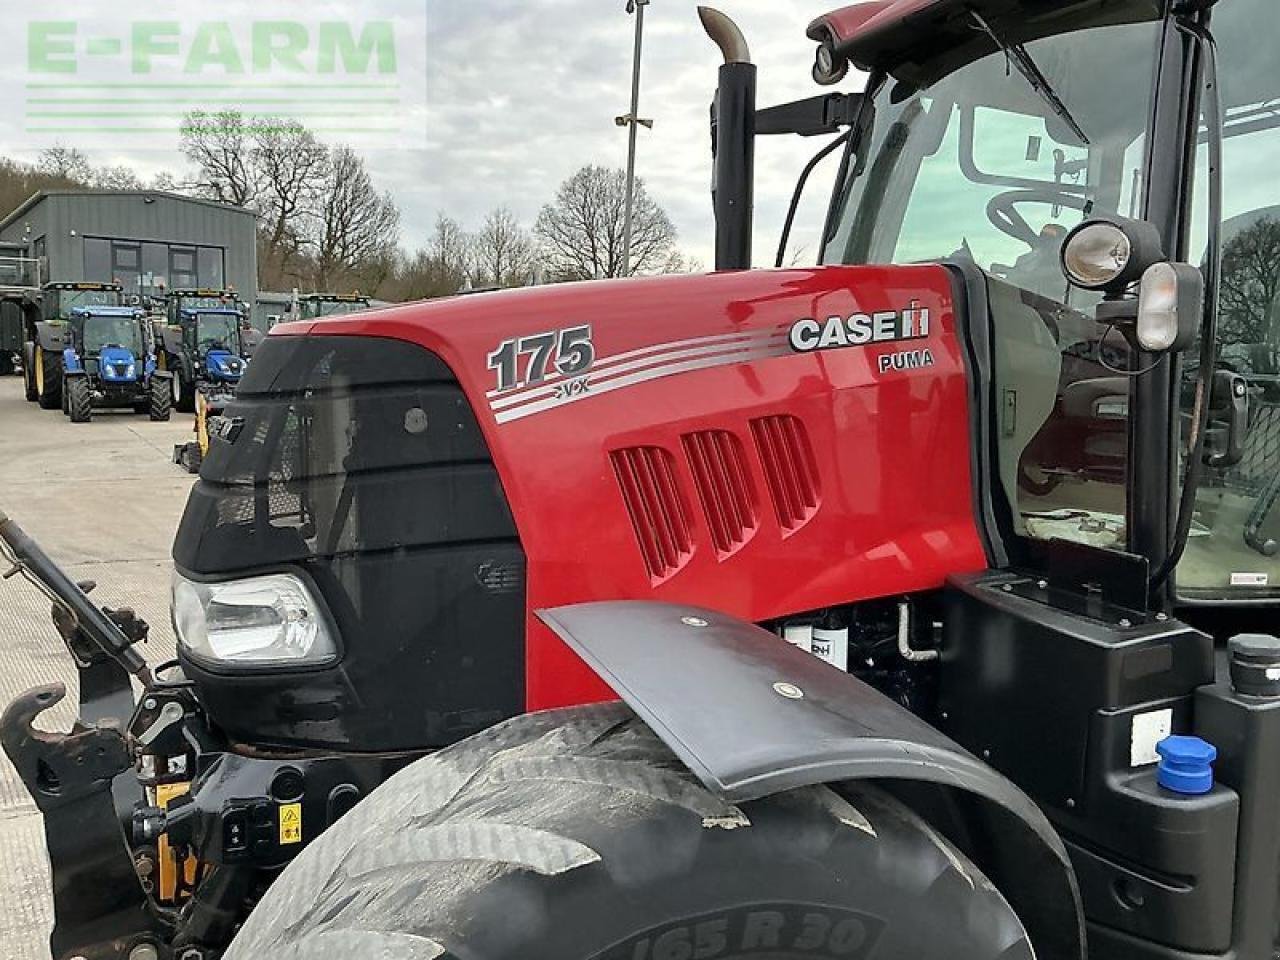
1148 729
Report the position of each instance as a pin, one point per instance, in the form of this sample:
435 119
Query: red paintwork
857 30
892 450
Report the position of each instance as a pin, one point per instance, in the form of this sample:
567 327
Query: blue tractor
203 347
89 350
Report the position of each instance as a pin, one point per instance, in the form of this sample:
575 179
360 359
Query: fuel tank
765 443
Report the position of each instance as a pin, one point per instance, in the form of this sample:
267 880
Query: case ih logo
867 329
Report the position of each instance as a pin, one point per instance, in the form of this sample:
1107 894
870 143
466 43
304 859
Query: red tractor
938 584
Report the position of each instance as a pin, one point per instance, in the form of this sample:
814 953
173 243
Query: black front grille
359 461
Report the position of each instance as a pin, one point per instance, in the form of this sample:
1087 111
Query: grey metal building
147 240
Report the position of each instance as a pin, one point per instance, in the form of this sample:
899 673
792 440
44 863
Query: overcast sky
521 94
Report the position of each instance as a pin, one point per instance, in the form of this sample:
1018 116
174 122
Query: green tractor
320 306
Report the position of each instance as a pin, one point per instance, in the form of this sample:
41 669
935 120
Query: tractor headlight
131 370
272 620
1095 255
1110 253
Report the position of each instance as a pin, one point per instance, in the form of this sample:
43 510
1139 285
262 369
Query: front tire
48 379
576 835
160 401
79 403
29 372
184 395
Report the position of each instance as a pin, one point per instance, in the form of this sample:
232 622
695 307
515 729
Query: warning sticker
1148 729
290 823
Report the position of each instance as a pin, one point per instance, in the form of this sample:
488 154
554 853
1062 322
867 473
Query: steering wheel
1003 213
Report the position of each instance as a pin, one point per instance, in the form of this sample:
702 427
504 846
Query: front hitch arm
82 783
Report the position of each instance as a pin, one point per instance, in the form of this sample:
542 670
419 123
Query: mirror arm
812 117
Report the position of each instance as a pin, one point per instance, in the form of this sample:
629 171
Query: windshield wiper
1017 54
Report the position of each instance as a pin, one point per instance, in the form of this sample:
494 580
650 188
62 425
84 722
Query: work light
1170 305
1110 254
272 620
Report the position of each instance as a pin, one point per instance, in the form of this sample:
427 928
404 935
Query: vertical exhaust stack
733 116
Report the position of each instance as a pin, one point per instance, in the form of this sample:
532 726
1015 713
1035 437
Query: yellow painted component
39 364
290 823
202 424
167 886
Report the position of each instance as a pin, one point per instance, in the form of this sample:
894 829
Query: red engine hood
765 443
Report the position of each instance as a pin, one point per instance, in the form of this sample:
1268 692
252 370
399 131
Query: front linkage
160 837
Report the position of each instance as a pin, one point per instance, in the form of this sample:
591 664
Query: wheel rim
177 388
39 365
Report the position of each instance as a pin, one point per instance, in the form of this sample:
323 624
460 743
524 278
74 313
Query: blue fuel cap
1186 765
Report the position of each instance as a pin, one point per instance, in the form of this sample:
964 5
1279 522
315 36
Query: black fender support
752 716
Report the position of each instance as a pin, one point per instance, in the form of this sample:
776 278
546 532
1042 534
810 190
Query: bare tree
1251 284
114 178
359 227
167 182
453 251
218 144
582 230
64 163
291 168
504 252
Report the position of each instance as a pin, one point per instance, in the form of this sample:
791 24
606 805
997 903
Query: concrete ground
104 500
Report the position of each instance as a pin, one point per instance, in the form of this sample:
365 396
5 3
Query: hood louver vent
719 469
649 487
790 469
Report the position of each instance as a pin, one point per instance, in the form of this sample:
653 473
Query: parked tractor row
84 349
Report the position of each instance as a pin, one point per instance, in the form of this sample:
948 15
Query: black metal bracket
812 117
100 909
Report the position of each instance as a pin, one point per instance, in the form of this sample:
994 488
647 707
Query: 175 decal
570 353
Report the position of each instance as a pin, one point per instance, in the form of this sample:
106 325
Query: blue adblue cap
1186 765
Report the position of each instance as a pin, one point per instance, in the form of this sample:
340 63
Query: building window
182 267
126 263
212 275
150 268
155 269
97 261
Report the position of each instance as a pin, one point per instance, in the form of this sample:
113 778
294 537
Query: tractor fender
751 716
171 339
51 337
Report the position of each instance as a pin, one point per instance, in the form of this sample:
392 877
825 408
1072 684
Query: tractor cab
320 306
204 343
61 299
990 141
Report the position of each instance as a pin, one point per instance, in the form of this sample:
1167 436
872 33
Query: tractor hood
224 366
766 438
118 365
